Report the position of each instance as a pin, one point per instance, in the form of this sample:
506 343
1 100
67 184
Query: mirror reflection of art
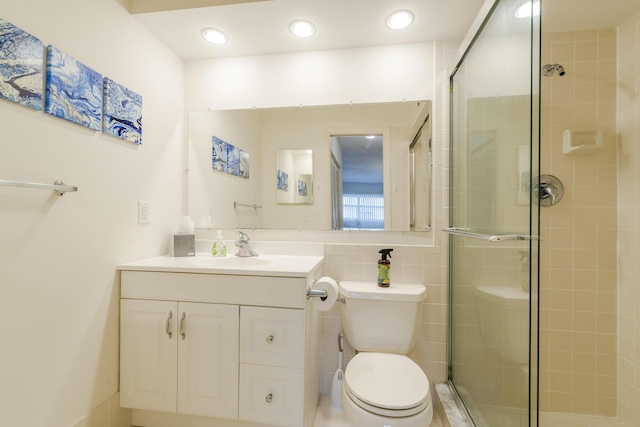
302 188
122 112
299 165
21 66
233 160
283 180
244 164
74 91
218 154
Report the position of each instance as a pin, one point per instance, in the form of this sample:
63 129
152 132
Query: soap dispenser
383 268
219 247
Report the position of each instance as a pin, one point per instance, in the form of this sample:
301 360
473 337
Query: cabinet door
272 336
208 360
148 351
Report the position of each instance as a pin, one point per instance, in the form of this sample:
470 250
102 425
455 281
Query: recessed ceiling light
400 19
214 36
302 29
526 9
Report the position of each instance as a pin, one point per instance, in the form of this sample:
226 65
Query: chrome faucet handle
244 238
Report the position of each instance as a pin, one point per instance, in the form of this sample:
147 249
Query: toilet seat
391 385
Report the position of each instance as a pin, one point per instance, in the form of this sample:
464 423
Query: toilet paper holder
316 293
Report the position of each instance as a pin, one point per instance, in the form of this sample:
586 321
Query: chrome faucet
243 246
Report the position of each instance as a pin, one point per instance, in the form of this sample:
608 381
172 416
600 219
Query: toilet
382 387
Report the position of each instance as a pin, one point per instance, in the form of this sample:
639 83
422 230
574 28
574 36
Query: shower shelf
488 237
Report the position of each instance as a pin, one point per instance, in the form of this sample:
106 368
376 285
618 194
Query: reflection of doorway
357 182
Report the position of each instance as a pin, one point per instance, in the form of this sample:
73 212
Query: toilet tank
379 319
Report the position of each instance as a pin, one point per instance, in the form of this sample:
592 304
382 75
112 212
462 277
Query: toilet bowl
382 387
386 390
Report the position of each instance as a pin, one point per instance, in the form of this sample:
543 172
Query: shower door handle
466 232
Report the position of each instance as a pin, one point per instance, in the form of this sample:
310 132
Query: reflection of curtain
336 195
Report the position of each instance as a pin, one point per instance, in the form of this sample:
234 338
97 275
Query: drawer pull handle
269 398
269 341
168 326
182 325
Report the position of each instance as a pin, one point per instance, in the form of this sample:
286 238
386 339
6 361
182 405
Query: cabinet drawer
271 395
272 336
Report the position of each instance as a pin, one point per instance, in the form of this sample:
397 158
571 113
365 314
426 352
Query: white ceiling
260 28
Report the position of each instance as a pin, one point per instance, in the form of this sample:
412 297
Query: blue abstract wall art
233 160
283 180
226 157
21 66
244 164
302 188
74 91
218 154
122 112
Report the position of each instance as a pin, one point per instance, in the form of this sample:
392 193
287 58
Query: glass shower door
493 220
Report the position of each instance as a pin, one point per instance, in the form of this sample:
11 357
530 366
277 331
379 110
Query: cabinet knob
270 339
269 398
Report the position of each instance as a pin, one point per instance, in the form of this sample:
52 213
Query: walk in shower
544 195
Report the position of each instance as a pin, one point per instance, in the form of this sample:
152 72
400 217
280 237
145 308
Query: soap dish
584 141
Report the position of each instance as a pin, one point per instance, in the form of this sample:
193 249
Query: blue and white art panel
218 154
302 188
244 164
21 66
233 160
74 91
122 112
283 180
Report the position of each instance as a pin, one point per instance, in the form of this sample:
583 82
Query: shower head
549 69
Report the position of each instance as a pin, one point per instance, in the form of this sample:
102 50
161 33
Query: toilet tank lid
371 290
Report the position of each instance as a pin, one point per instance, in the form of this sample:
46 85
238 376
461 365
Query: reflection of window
363 211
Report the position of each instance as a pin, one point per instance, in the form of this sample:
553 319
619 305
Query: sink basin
229 262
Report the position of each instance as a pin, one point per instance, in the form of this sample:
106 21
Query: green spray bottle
384 265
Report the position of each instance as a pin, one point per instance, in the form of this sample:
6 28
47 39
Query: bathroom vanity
217 342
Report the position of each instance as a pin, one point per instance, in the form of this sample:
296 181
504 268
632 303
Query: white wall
364 75
58 255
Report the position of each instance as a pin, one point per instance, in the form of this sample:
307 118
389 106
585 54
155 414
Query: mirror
294 177
222 200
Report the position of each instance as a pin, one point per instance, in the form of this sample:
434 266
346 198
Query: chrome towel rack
58 186
254 206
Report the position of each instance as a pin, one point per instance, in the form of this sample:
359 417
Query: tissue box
184 245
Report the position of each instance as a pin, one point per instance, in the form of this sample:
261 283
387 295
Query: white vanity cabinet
217 350
179 357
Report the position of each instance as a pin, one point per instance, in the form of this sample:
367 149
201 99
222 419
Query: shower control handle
548 190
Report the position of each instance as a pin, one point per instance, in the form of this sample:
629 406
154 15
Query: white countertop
263 265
